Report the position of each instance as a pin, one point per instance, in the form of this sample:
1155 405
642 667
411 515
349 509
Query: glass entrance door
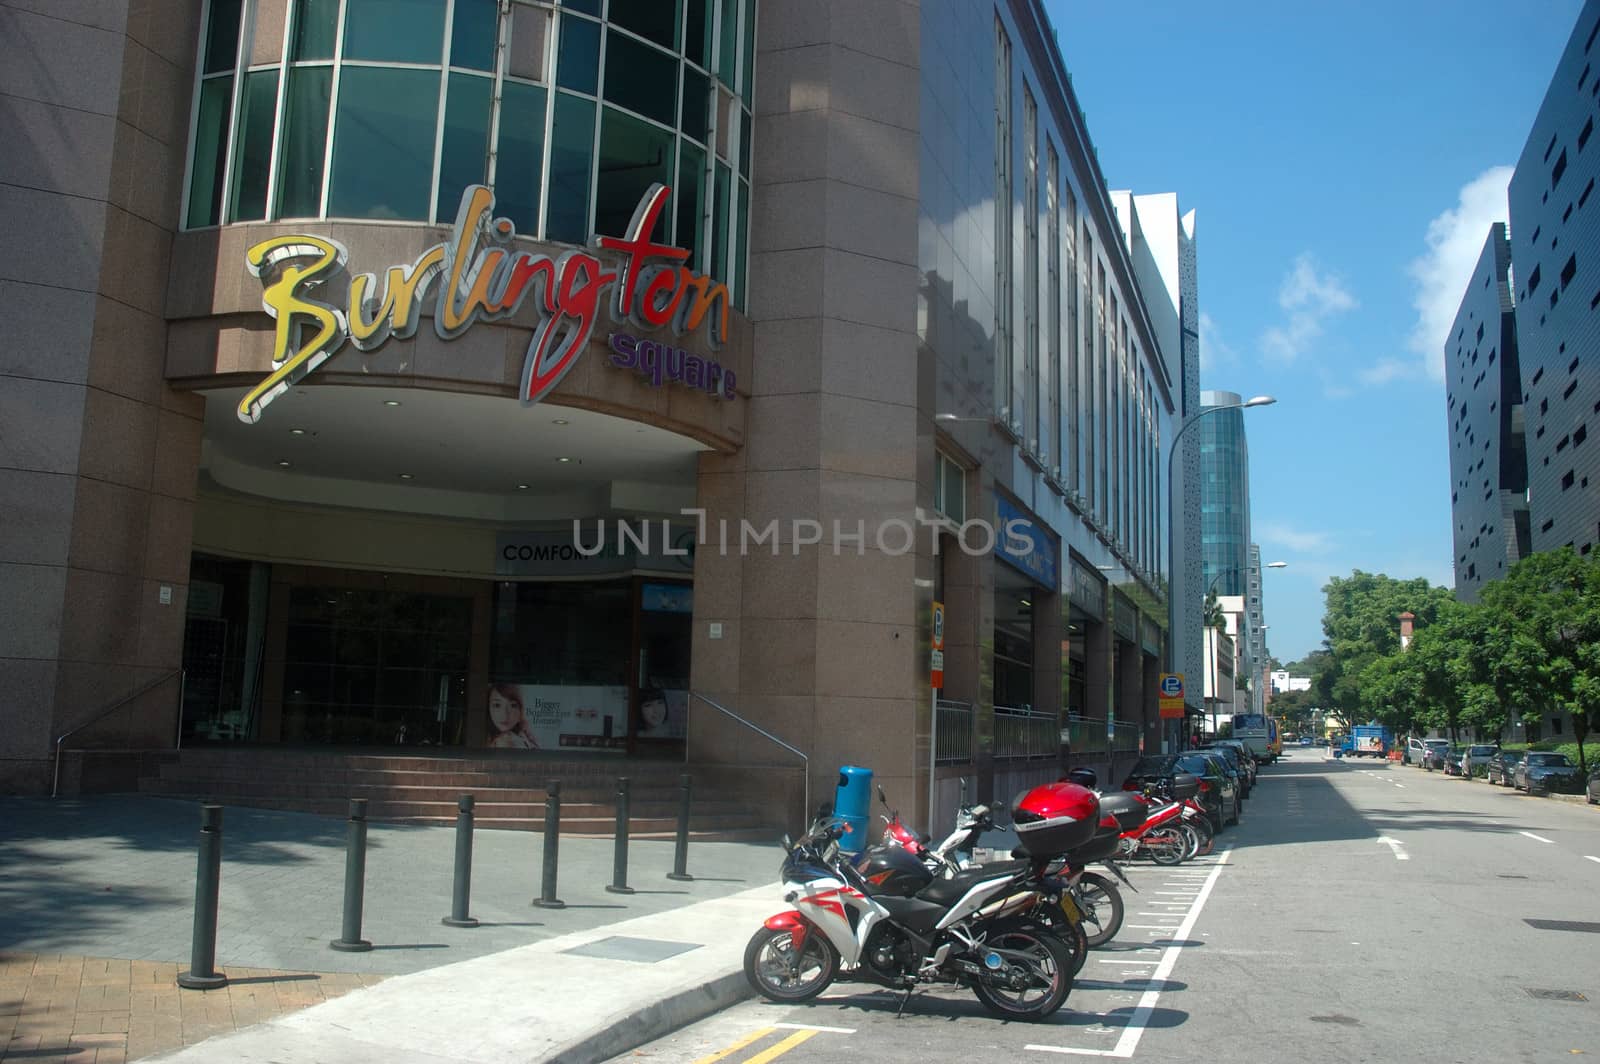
661 694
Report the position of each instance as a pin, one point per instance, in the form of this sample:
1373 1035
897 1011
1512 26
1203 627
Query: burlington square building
540 389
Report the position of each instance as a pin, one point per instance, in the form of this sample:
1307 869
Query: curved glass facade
387 109
1224 496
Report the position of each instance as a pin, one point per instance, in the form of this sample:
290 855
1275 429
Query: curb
656 1020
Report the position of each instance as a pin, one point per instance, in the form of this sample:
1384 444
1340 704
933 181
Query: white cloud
1455 240
1331 387
1299 540
1388 369
1308 298
1214 353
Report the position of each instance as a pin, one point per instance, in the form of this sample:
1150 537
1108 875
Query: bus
1275 737
1256 731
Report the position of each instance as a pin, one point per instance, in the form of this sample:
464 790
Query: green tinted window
210 152
578 58
305 141
696 104
222 36
464 154
472 34
571 149
383 143
316 25
396 31
719 223
697 32
521 155
253 156
633 155
691 195
641 78
654 20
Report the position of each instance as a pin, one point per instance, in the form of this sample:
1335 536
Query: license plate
1070 907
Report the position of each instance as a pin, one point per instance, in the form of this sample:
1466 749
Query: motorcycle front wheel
1166 847
1045 974
776 973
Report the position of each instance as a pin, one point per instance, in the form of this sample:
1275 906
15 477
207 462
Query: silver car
1475 756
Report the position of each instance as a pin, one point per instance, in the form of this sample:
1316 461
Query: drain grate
1555 995
1564 925
623 948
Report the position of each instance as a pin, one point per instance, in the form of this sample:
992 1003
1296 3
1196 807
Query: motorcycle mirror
786 843
881 796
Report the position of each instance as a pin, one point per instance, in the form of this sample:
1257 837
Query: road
1361 912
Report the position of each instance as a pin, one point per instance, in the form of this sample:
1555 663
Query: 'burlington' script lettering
480 277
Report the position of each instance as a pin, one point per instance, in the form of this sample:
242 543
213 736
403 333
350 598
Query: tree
1551 602
1361 623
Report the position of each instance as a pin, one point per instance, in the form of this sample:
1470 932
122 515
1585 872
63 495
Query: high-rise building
1224 496
526 265
1488 466
1555 255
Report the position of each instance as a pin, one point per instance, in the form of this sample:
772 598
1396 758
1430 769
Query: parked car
1239 757
1547 773
1591 793
1435 753
1218 796
1414 752
1452 760
1229 782
1477 754
1503 765
1306 740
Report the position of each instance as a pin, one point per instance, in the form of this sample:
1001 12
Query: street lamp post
1172 521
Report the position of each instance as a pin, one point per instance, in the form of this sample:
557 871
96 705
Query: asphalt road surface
1362 911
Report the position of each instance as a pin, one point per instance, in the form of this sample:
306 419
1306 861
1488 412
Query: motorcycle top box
1185 786
1054 818
1122 811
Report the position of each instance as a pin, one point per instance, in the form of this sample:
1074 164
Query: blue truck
1368 740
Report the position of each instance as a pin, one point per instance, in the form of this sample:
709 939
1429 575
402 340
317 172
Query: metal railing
1087 735
952 732
137 692
1025 733
1126 738
771 738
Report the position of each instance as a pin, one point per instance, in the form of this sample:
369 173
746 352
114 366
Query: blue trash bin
853 803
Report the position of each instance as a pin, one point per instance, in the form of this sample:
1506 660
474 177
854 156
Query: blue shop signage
1024 543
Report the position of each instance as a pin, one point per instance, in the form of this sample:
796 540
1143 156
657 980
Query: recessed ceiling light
283 462
391 402
563 459
522 487
297 432
405 476
560 421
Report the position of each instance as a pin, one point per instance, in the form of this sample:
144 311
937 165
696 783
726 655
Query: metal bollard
552 841
202 973
680 855
355 875
462 887
619 861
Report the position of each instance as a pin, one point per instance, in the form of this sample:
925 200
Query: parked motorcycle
967 928
1163 837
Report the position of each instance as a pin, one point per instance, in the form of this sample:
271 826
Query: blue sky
1342 159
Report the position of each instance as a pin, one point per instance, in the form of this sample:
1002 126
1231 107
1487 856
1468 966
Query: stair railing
137 692
768 736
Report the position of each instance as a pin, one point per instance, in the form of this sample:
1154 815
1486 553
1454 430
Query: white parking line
1153 927
1394 844
1129 1041
1596 860
815 1027
1537 838
1146 964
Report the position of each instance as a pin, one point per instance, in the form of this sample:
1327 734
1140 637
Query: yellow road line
781 1048
740 1044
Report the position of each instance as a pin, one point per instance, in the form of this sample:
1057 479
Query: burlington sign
478 275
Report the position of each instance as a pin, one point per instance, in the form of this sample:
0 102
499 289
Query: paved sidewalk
114 877
578 999
88 1010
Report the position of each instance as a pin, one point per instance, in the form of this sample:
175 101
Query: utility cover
623 948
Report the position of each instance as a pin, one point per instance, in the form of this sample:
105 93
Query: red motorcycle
1164 837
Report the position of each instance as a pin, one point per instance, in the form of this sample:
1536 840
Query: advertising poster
555 717
663 714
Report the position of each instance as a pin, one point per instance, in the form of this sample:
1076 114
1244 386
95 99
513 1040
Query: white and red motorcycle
968 928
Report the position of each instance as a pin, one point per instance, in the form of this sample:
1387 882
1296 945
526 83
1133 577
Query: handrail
137 692
769 736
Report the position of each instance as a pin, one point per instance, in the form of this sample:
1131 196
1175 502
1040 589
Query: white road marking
1175 892
1596 860
1394 844
815 1027
1145 964
1171 914
1134 1030
1537 838
1399 784
1154 927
